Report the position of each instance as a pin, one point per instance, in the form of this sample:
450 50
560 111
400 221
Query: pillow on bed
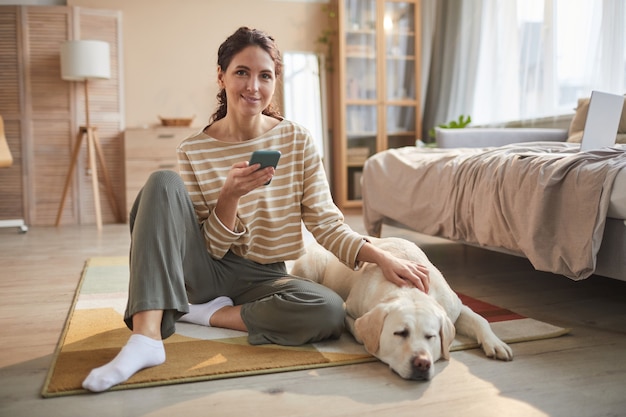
578 122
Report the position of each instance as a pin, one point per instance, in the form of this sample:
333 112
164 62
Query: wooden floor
582 374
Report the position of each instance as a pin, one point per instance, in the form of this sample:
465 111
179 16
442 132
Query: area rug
94 333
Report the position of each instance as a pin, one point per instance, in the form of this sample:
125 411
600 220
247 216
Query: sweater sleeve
218 238
320 214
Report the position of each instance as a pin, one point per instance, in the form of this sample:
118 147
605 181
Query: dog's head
409 333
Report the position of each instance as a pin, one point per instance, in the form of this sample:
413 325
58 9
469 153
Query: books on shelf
357 155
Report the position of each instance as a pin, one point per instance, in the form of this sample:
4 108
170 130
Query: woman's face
249 81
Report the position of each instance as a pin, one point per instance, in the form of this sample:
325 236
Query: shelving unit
377 86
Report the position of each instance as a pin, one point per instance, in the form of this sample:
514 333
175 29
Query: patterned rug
94 333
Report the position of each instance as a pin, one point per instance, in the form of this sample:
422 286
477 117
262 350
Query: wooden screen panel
46 33
9 63
11 178
11 186
50 106
50 144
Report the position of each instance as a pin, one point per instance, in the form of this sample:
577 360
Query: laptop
602 122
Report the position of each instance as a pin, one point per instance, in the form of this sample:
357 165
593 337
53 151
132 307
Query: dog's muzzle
420 367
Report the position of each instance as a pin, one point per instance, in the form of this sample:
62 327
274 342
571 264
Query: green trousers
170 267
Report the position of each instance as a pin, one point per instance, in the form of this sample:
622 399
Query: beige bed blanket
545 201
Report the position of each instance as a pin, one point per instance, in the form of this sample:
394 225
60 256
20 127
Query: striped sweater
269 219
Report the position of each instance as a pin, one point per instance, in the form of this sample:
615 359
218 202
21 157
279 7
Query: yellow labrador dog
403 327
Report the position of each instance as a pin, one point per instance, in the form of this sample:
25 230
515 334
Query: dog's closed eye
402 333
430 336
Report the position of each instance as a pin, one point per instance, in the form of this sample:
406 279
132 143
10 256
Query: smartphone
266 158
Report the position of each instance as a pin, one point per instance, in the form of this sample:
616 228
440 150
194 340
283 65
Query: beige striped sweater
269 218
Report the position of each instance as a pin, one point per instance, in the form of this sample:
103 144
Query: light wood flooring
581 374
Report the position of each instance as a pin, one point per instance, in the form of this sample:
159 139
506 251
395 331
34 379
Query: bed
562 209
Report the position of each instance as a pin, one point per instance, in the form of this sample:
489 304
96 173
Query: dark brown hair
235 43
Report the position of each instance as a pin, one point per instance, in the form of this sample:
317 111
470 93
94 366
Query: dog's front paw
498 349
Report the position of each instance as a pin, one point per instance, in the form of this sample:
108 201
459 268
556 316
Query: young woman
209 246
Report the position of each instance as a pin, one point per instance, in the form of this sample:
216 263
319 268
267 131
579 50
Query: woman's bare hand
405 273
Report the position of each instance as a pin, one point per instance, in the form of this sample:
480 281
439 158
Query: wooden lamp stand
80 61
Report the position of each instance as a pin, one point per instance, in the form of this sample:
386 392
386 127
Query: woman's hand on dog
406 273
402 272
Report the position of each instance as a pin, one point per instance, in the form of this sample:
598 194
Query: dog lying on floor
403 327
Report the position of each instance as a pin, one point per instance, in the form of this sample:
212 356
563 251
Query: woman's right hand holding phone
242 178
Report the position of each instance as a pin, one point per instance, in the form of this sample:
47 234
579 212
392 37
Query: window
560 51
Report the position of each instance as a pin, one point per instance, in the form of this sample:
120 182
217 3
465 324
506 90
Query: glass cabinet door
400 79
378 86
401 126
362 128
362 90
361 52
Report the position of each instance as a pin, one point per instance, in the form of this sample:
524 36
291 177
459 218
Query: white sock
201 313
140 352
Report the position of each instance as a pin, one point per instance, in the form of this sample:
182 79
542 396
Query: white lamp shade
81 60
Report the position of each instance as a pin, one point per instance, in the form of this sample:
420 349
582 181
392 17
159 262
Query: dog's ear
446 334
368 328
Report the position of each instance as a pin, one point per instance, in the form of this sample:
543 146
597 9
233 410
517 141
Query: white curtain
496 95
302 91
609 61
507 60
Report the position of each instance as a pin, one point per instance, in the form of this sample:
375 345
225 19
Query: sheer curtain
507 60
497 95
608 65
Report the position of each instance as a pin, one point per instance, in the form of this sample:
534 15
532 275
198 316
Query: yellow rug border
66 327
186 380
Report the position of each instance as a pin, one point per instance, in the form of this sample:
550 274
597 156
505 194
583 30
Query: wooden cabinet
377 75
149 150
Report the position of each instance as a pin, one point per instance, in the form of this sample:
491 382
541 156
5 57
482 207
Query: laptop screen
603 117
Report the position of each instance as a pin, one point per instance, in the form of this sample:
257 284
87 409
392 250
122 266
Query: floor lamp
85 60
